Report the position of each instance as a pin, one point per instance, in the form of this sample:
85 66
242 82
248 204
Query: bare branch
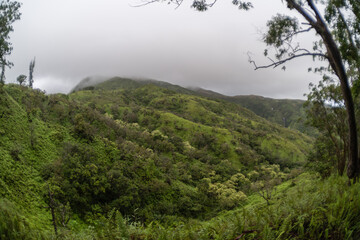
145 3
296 49
178 3
271 59
301 50
212 4
297 32
306 23
280 62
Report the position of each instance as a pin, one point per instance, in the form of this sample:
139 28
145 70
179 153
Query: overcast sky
74 39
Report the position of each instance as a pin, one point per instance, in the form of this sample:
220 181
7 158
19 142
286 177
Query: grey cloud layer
75 39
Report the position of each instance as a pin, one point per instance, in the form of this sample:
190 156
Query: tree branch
145 3
316 11
176 2
296 33
347 28
212 4
350 35
301 10
280 62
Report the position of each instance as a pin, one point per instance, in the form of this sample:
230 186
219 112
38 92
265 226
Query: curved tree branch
296 33
280 62
145 3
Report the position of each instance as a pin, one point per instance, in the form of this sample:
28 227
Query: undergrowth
304 208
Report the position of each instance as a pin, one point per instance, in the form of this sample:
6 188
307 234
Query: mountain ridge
285 112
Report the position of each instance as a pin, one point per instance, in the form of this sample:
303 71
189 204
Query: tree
31 72
9 13
338 43
265 179
326 112
2 76
335 53
21 79
60 213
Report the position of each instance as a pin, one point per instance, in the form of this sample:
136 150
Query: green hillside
288 113
147 162
148 152
230 123
125 83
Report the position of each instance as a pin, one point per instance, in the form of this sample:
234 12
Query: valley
153 152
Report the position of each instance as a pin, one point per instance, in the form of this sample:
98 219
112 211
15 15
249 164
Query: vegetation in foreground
306 207
145 163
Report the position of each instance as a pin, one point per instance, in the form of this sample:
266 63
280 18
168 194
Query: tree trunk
339 69
52 210
336 63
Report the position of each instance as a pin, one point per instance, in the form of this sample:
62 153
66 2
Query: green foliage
338 44
13 225
287 113
9 13
326 112
170 161
344 18
265 180
305 208
31 73
170 176
323 157
226 194
281 28
21 79
181 122
113 227
156 156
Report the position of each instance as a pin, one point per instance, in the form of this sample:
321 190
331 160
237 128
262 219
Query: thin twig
298 32
145 3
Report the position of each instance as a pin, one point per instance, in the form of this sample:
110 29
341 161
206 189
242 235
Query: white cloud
75 39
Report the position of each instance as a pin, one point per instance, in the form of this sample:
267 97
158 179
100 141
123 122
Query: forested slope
151 153
289 113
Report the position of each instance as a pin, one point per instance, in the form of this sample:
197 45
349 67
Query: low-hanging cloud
75 39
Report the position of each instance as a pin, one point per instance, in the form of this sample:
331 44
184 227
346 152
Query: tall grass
309 208
305 208
14 225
